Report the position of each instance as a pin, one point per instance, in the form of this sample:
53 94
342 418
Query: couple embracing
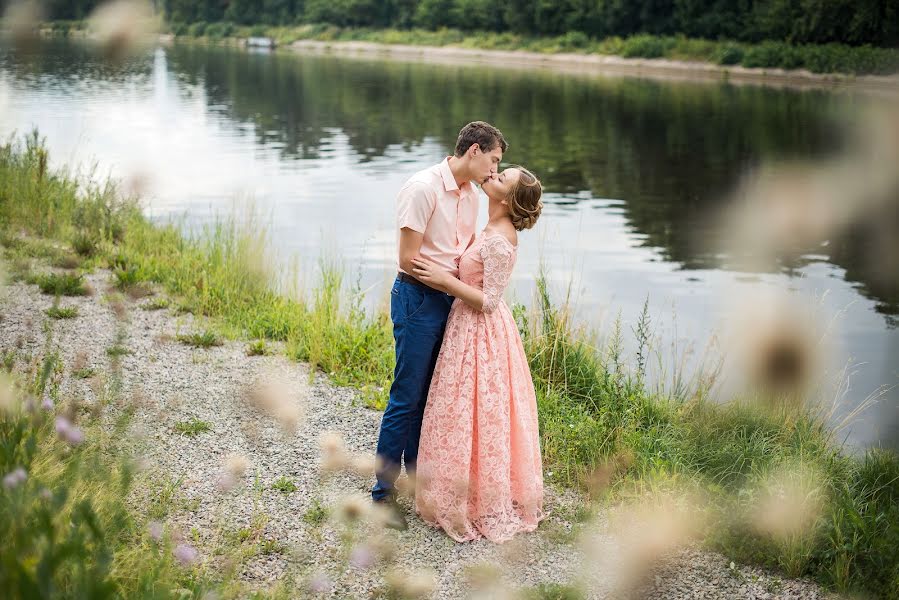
462 414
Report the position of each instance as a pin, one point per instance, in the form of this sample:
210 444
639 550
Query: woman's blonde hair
524 200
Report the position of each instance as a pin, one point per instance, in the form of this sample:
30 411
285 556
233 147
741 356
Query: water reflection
637 170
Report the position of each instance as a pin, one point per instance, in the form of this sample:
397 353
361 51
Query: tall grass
597 416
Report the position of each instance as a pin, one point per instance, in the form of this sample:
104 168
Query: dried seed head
236 464
417 584
334 454
275 398
123 27
23 20
352 509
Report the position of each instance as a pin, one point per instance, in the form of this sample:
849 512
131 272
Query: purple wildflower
14 478
320 583
186 554
69 432
362 557
155 530
47 404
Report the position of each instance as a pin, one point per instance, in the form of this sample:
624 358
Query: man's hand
431 274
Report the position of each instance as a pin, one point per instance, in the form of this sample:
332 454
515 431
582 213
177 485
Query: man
436 213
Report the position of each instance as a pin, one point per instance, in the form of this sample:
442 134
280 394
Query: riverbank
602 432
566 62
770 63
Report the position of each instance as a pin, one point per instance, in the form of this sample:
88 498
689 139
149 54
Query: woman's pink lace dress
479 472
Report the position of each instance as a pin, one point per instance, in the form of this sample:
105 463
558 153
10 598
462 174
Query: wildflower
352 509
68 432
14 478
415 585
320 583
123 26
186 554
236 464
155 529
335 457
362 557
47 404
276 399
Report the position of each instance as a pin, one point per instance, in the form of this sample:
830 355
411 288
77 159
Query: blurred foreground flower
22 19
155 529
186 554
320 583
68 432
417 584
235 467
16 477
334 454
124 27
777 346
642 534
273 397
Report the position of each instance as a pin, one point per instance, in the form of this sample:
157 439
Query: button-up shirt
432 204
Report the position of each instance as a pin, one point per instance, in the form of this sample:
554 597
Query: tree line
853 22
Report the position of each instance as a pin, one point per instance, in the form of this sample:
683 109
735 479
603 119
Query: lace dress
479 471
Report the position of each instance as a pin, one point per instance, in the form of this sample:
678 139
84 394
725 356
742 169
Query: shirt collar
449 181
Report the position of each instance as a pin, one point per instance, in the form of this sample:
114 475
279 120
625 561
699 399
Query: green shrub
218 31
729 54
61 284
574 39
197 29
646 46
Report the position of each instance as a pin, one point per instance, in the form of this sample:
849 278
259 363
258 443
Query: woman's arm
431 274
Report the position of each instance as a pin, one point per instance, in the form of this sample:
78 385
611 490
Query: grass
596 414
117 351
62 312
284 485
824 58
258 348
84 373
69 529
158 303
61 284
193 427
205 339
316 514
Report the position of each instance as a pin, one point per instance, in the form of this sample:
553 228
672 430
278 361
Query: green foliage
68 528
204 339
192 427
593 411
284 485
316 514
61 284
258 348
873 22
65 312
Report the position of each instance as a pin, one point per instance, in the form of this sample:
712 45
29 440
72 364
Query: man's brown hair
485 135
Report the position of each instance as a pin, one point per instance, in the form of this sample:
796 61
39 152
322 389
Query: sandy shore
605 65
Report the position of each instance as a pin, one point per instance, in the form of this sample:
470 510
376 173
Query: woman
479 468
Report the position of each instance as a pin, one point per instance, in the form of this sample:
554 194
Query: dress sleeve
498 255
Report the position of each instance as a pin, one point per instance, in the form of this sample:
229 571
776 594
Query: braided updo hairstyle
524 200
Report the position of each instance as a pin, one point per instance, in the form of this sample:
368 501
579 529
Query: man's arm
410 247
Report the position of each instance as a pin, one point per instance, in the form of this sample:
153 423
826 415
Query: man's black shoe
393 515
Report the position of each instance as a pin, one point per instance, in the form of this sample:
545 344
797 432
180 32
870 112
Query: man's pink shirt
432 204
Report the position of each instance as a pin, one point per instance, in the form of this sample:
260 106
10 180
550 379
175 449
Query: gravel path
265 535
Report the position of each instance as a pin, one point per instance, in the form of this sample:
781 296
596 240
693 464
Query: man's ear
474 149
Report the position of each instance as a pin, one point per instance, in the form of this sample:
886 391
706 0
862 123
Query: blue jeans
419 320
